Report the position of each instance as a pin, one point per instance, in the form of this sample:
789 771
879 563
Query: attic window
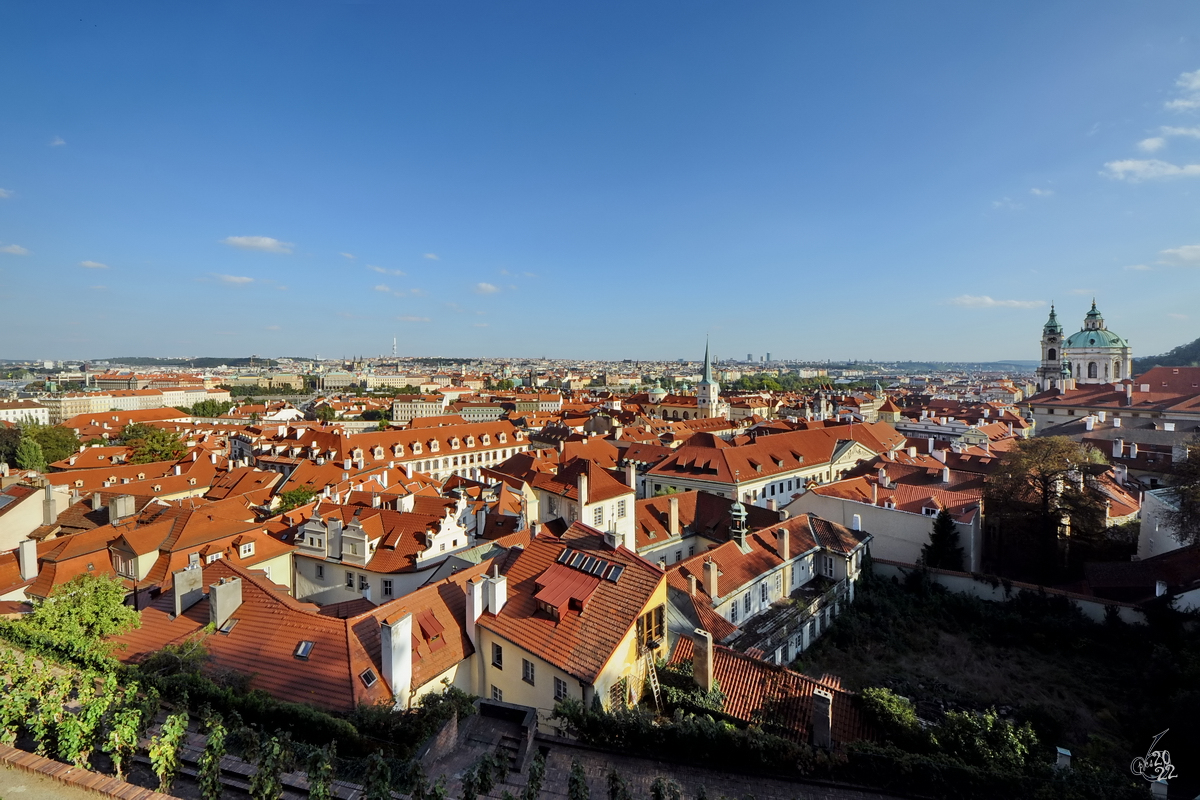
378 454
502 438
303 649
141 476
454 443
470 441
228 626
416 448
433 446
78 484
369 678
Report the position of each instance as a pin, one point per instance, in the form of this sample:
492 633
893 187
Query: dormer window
470 441
520 436
502 437
378 454
416 448
141 476
398 450
486 440
246 550
454 443
434 446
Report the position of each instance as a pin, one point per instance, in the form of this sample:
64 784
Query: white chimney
702 659
395 645
1089 422
27 559
475 605
822 719
224 598
692 585
408 470
710 579
856 523
1133 449
1116 422
945 474
582 486
496 592
49 512
188 588
1102 416
631 475
178 470
673 516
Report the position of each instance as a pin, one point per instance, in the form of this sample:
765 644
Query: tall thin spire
708 376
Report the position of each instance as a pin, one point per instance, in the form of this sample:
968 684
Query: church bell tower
1050 371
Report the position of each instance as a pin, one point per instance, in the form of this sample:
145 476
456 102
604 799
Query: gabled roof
700 513
601 484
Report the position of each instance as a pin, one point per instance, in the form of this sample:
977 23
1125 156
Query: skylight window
368 678
303 649
228 626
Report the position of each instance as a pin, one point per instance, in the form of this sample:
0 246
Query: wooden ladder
652 676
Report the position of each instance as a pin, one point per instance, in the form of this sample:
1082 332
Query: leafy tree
943 550
617 789
470 783
210 408
57 442
504 385
84 610
124 729
274 758
378 785
326 414
1184 517
29 455
294 498
77 731
320 772
151 444
577 787
537 774
10 440
665 789
486 773
164 750
209 774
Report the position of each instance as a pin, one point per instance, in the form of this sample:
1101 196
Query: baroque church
1093 355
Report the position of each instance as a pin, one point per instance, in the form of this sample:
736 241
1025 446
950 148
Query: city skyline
482 180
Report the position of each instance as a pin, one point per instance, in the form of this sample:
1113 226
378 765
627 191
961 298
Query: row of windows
528 674
363 581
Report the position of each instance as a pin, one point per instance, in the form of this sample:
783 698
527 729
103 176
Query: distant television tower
393 347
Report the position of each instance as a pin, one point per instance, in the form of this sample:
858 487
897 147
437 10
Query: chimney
710 579
822 719
785 544
673 516
475 605
631 475
395 645
178 470
189 588
945 474
1129 394
334 527
346 464
120 507
940 455
496 591
1089 422
224 598
1118 448
875 493
930 445
582 485
212 458
1063 758
374 499
97 501
1160 588
692 584
702 659
408 470
912 452
1102 416
27 558
856 523
49 514
772 504
1133 449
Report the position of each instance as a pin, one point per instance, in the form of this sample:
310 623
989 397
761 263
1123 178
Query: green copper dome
1100 337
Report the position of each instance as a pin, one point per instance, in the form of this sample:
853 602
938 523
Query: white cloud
529 274
14 250
1152 144
485 288
57 141
6 193
1189 91
1135 170
505 272
93 265
1007 203
413 319
983 301
263 243
1178 316
432 256
1036 192
480 325
236 280
383 271
1188 254
383 287
1168 130
1139 267
348 255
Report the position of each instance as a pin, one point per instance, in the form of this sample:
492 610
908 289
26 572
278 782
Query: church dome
1099 337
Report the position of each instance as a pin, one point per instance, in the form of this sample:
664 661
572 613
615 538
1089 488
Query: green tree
208 775
164 750
320 772
326 414
274 758
10 440
577 786
84 610
29 455
504 385
57 442
378 785
537 774
665 789
617 789
151 444
294 498
943 550
1183 516
124 729
210 408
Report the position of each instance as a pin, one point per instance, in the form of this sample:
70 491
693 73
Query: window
363 584
552 505
246 549
212 557
368 678
764 593
650 629
497 695
527 671
778 582
746 602
691 549
228 626
829 566
621 509
349 580
497 656
678 556
320 571
598 516
733 612
387 587
303 649
560 689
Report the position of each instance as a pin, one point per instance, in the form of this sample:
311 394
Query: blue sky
596 180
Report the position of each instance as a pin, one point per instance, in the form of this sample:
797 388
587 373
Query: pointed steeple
708 376
1052 324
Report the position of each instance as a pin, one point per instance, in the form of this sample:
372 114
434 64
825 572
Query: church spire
708 376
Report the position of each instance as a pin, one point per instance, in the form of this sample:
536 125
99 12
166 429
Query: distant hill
199 363
1186 355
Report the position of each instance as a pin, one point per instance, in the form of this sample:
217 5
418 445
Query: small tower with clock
1050 373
